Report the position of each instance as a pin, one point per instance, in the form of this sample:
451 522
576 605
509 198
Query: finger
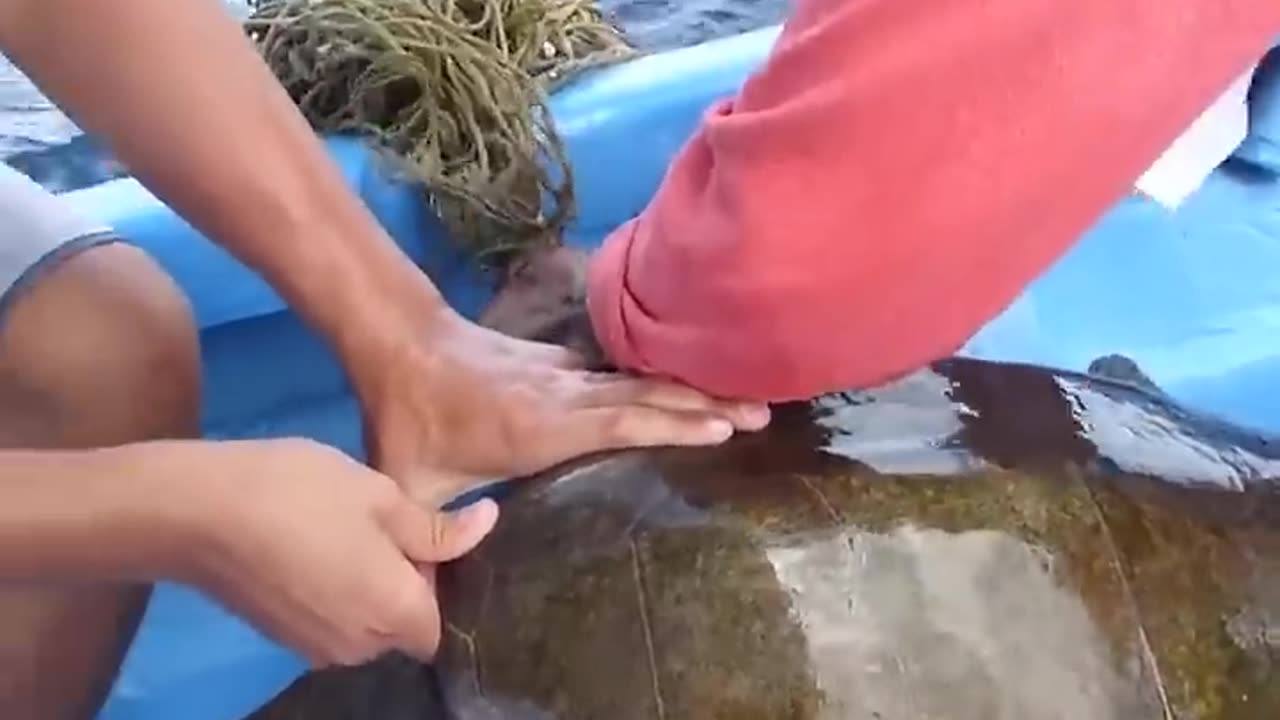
751 416
666 395
301 632
561 357
605 389
537 352
415 622
435 537
614 428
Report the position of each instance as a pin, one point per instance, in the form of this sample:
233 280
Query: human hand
318 551
468 403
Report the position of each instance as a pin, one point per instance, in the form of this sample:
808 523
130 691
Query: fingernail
719 430
482 512
755 417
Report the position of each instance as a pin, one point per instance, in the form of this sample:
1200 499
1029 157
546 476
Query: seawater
43 142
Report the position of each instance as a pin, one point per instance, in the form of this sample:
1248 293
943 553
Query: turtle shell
977 541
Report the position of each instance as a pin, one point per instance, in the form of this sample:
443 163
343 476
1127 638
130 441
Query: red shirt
895 175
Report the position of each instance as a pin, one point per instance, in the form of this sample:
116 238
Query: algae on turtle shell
978 541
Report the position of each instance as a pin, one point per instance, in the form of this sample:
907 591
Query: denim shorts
38 230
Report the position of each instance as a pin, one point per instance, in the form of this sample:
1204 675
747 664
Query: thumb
436 537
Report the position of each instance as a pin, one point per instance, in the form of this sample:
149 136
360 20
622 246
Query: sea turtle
976 541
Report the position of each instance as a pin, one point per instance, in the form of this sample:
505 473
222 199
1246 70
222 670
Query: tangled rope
456 90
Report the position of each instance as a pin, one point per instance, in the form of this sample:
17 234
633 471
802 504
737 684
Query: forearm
895 175
84 515
184 100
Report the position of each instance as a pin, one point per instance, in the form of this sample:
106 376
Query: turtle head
542 296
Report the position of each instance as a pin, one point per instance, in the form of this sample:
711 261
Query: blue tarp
1194 296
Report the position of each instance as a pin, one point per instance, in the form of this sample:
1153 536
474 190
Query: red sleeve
895 175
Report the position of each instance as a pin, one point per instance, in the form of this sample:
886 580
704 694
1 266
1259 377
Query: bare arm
185 101
85 514
180 94
263 526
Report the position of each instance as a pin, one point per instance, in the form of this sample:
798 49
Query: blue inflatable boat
1193 295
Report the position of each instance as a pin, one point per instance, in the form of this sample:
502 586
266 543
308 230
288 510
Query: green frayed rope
456 90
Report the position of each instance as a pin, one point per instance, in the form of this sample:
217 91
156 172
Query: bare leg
102 350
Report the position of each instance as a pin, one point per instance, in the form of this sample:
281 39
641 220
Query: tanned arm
199 119
88 515
178 91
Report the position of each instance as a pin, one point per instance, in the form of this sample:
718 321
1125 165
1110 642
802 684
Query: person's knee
106 344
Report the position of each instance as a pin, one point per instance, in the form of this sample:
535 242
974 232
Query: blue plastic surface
1193 296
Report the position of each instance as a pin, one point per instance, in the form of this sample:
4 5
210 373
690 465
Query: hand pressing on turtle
315 549
473 402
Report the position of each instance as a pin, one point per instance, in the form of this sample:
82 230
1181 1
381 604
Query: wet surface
980 541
